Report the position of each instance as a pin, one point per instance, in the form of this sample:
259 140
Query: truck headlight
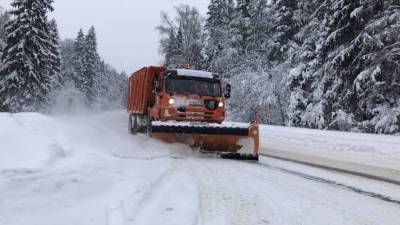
171 101
220 104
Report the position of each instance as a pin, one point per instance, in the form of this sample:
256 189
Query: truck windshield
194 87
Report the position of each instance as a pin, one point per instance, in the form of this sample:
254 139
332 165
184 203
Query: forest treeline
39 71
325 64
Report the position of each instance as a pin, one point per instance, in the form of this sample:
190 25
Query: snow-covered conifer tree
285 26
305 74
79 61
4 18
369 67
220 15
67 54
24 78
346 68
54 59
90 66
240 26
169 48
176 50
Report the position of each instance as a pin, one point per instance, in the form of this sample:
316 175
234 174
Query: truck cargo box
140 94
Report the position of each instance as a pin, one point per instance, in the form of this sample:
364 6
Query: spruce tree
54 59
306 104
79 61
285 25
220 15
174 50
335 82
241 26
259 30
90 66
366 65
67 55
346 68
4 18
377 86
178 58
24 79
103 84
169 49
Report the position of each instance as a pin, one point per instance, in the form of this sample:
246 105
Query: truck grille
198 116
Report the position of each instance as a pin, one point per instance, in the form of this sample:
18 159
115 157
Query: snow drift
374 155
85 170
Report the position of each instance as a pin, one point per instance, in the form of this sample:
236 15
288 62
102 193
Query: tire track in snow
116 214
168 200
224 197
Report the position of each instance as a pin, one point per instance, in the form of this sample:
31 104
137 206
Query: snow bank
376 155
31 140
87 169
22 147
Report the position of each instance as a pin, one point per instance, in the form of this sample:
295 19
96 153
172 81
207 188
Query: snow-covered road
86 169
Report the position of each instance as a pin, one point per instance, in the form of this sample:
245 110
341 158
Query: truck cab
188 95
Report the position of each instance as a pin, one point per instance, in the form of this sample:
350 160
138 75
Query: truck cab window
202 87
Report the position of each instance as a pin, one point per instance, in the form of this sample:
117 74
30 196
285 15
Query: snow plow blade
231 140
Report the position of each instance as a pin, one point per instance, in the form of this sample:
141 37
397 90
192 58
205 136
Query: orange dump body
140 93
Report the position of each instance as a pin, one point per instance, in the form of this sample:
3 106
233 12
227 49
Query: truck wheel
133 125
130 125
149 131
148 127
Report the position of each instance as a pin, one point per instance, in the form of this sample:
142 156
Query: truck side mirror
156 85
227 91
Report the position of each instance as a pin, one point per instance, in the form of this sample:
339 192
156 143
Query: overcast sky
126 32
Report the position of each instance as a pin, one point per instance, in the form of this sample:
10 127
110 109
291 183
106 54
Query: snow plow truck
188 106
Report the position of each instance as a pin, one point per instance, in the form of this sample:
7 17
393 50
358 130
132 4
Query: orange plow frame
223 143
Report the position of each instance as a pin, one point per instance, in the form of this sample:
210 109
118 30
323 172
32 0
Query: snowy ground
86 169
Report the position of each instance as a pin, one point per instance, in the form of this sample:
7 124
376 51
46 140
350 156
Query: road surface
86 169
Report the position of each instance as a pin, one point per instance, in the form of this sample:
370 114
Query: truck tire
149 132
133 125
130 124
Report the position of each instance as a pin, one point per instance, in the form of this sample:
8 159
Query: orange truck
182 105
